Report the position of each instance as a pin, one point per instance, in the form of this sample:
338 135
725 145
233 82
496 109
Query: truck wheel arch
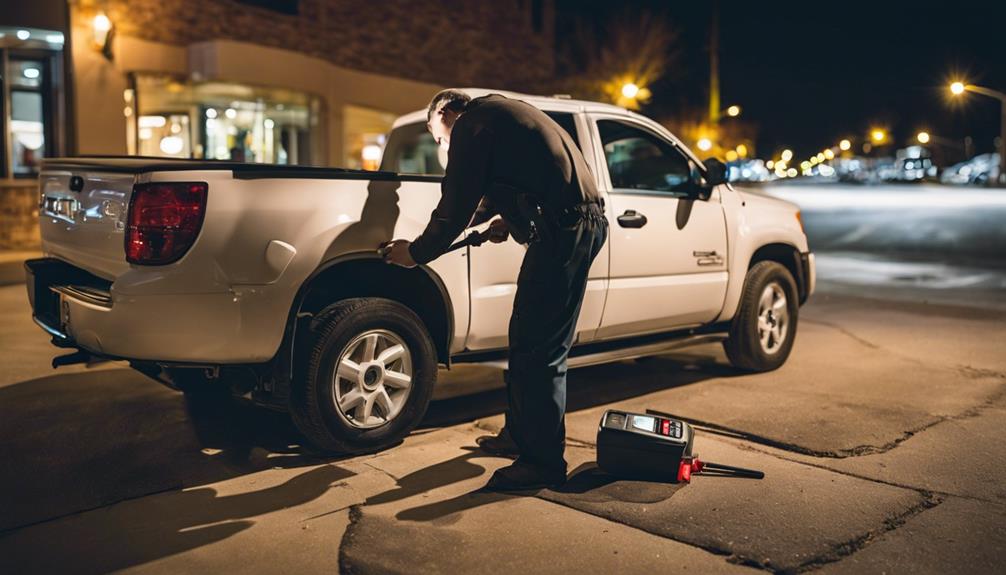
366 275
789 256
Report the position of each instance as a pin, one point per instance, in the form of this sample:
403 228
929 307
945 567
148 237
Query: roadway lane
923 243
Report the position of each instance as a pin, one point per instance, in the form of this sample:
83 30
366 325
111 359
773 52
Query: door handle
708 258
631 219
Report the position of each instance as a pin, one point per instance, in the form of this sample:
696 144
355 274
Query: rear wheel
369 379
763 330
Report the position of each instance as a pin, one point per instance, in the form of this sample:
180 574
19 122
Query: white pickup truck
265 280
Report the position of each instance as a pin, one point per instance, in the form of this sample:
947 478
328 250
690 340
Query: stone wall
18 215
505 44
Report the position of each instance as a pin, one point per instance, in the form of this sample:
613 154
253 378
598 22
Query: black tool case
642 446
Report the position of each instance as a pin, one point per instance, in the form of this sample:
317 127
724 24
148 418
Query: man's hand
397 252
498 231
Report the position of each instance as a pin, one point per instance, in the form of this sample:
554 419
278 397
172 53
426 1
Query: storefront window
30 85
365 132
221 121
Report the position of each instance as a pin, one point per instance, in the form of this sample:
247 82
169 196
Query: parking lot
881 440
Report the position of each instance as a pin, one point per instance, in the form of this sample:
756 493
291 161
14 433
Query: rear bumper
84 311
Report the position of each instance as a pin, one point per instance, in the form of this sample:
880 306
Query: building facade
308 82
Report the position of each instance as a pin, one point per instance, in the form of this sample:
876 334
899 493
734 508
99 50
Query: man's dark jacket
501 147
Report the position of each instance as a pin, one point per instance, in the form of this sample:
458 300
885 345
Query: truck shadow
78 441
83 440
592 386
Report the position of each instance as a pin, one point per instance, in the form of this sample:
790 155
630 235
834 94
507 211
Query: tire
761 334
364 409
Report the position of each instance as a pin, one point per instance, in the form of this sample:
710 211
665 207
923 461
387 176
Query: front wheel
370 376
762 332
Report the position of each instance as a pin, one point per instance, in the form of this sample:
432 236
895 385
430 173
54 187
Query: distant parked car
979 170
913 164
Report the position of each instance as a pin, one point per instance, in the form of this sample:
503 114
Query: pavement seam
355 514
728 555
858 450
755 448
843 550
173 488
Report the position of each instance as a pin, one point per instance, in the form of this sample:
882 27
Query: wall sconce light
104 32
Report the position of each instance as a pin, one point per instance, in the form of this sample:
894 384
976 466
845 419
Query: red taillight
164 220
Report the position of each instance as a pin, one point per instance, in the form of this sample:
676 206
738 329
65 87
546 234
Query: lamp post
958 88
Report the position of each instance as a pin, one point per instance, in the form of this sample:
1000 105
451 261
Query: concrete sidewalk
12 265
881 440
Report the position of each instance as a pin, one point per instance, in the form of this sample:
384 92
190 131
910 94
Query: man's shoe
524 477
502 444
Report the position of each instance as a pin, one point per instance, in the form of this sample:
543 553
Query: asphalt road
881 439
921 242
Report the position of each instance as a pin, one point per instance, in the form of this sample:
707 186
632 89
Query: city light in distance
786 155
957 88
844 145
23 34
231 113
878 135
704 144
371 152
211 113
734 111
630 90
829 154
922 137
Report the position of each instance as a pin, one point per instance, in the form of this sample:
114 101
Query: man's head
444 110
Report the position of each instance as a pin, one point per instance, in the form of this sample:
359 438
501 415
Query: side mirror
716 172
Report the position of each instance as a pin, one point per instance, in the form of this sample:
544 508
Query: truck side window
412 150
640 160
565 119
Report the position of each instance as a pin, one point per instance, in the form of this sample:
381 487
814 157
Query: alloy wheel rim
373 379
773 318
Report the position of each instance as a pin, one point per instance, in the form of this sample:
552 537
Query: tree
634 49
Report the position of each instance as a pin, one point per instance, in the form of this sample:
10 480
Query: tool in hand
654 447
473 239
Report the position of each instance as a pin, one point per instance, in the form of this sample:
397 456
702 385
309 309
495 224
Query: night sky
810 74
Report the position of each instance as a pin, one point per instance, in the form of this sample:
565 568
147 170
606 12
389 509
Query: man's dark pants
550 290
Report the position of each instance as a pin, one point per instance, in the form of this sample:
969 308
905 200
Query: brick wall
448 42
19 215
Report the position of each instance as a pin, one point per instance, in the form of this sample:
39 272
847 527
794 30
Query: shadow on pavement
593 386
144 531
78 441
587 486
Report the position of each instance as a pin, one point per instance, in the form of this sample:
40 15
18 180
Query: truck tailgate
82 216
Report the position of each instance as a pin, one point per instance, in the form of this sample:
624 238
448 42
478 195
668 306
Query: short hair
454 100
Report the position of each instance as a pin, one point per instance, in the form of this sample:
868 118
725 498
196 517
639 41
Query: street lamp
878 135
630 90
958 88
922 137
734 111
